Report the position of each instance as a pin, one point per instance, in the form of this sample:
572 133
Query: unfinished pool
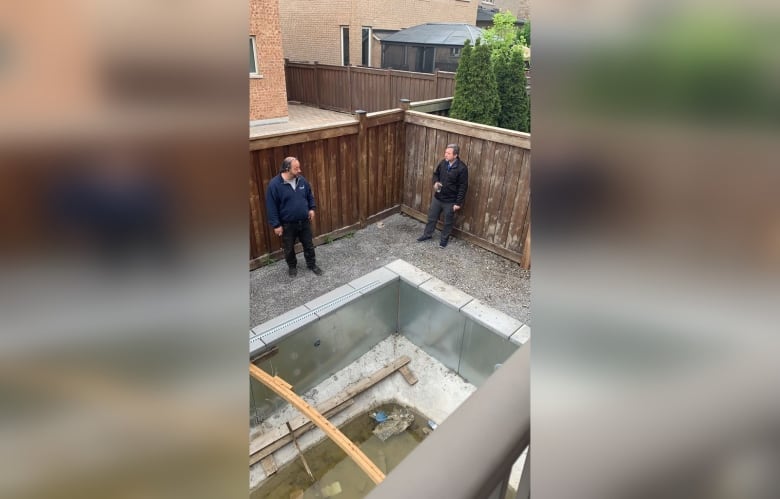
342 352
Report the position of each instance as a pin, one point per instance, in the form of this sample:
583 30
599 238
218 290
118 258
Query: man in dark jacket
290 205
450 181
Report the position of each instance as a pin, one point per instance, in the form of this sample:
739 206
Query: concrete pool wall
312 342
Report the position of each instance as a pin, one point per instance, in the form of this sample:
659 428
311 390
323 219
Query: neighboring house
520 8
348 32
267 87
485 17
428 47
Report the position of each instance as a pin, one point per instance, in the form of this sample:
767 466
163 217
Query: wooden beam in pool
283 389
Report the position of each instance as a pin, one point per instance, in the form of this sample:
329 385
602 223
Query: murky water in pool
336 474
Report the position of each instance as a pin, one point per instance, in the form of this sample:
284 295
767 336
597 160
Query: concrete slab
278 327
445 293
521 336
494 320
332 300
408 272
373 280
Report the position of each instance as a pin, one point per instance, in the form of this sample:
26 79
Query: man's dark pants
433 216
301 231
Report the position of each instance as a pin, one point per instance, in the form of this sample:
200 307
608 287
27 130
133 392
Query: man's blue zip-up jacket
285 205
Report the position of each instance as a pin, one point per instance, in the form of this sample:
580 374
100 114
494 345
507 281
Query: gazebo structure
428 47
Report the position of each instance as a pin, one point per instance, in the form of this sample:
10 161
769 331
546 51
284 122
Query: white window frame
370 36
253 47
455 51
341 42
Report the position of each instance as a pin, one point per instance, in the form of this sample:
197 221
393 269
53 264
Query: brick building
520 8
267 87
343 32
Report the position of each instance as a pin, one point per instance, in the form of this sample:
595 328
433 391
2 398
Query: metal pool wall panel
486 341
431 324
349 324
483 352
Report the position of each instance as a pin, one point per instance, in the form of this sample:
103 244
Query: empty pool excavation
386 358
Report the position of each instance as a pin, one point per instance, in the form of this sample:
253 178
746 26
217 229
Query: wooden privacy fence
496 214
365 171
346 88
355 170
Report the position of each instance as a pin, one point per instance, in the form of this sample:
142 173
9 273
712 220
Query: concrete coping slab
408 272
271 331
373 280
494 320
445 293
521 336
324 304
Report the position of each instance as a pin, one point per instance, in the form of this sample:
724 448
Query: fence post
403 153
389 94
436 84
362 165
317 83
350 105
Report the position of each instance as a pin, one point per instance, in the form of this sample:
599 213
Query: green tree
526 33
515 106
459 100
503 35
476 92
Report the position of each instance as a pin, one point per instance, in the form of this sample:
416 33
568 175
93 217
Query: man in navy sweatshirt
290 205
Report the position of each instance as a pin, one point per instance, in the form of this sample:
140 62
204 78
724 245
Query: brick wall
311 29
267 92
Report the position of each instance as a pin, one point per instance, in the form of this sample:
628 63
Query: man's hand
436 186
311 215
278 230
455 207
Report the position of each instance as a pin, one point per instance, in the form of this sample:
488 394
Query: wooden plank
300 453
285 439
332 170
495 134
430 106
362 168
384 118
408 375
332 403
269 465
315 133
374 172
498 187
508 205
352 450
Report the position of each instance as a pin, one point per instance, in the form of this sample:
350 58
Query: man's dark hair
455 149
287 164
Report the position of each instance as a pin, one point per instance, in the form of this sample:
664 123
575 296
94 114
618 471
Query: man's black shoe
316 270
292 271
443 244
423 238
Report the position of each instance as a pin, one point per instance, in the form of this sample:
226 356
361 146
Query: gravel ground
498 282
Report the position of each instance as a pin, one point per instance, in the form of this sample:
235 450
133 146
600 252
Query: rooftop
448 34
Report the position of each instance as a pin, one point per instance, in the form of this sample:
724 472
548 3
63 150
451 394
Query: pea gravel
498 282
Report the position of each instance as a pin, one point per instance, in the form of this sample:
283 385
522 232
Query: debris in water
331 490
397 422
379 416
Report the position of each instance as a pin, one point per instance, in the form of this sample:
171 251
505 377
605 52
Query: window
345 45
366 47
253 56
491 2
455 51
